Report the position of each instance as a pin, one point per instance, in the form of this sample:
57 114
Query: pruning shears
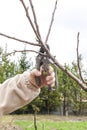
44 61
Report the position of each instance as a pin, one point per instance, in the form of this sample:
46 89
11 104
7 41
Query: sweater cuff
28 81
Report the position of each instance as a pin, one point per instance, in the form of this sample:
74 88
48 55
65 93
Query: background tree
25 63
7 68
71 94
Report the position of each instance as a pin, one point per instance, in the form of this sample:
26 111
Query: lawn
45 122
50 125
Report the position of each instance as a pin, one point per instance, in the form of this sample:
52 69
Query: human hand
48 79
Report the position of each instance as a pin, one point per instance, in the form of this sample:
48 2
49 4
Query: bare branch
27 14
51 23
35 19
78 60
78 64
19 40
37 35
69 73
18 51
30 21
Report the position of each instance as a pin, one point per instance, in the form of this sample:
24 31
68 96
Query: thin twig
18 51
35 18
19 40
51 23
30 21
78 60
27 14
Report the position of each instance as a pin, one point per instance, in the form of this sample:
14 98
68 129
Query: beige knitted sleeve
16 92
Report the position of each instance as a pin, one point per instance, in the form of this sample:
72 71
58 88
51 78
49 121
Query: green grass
51 125
46 122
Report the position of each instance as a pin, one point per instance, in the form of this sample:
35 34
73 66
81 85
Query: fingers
35 72
51 76
51 79
45 80
51 82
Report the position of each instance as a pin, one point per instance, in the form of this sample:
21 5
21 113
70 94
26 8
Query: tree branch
27 14
18 51
30 21
19 40
78 59
51 23
70 74
35 18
